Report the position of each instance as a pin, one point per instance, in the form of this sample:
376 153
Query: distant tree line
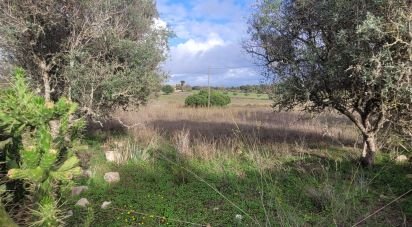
259 89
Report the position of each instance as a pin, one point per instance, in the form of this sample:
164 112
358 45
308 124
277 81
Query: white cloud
209 35
190 61
195 47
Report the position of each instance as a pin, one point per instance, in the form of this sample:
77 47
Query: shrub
201 99
168 89
37 140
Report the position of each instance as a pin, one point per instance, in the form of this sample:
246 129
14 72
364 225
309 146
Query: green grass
170 190
5 220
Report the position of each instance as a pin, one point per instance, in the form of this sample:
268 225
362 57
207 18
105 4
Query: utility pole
208 85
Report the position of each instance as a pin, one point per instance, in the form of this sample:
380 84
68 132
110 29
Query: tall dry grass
207 133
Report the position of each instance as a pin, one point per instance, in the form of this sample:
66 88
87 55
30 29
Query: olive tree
103 54
348 55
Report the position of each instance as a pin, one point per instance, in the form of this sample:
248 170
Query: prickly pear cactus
42 134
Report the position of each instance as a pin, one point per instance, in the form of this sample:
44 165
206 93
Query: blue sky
208 33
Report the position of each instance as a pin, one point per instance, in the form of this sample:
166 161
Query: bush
168 89
36 142
201 99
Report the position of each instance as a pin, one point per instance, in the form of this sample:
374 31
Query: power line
238 67
210 68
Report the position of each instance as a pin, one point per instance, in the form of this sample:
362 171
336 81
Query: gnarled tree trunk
369 150
369 131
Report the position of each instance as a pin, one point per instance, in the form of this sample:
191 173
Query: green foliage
42 156
89 217
351 56
5 220
67 53
201 99
168 89
47 213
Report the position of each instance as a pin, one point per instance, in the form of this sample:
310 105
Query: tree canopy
101 54
349 55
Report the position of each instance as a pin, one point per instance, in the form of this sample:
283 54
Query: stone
106 204
383 196
78 190
87 173
401 159
83 202
112 156
69 213
112 177
409 176
118 144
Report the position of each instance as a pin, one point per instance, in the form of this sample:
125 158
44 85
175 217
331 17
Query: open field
242 165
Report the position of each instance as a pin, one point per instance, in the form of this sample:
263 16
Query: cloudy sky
208 33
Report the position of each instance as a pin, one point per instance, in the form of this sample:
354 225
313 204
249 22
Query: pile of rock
109 177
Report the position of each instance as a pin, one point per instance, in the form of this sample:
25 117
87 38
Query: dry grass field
251 120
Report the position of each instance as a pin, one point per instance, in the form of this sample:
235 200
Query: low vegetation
168 89
202 99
